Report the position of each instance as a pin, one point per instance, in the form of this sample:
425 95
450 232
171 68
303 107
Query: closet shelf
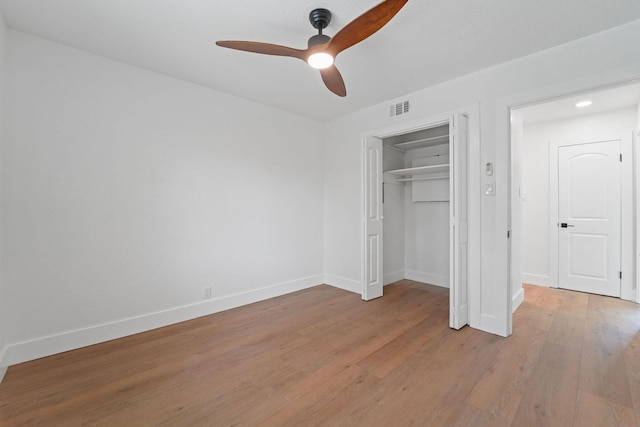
420 143
420 170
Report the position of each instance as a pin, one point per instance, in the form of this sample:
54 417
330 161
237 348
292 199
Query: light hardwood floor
324 357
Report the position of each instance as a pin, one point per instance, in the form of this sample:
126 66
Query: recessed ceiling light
582 104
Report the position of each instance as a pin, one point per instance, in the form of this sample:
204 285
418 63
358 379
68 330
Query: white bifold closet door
373 218
459 222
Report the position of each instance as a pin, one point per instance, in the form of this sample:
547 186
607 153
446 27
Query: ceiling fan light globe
320 60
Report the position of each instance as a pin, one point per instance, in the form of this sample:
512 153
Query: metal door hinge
621 274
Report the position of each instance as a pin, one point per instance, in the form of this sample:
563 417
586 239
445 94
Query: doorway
572 197
426 171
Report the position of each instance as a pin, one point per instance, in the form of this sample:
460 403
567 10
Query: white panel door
459 240
373 218
590 220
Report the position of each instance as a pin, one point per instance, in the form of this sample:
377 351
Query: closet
415 210
416 206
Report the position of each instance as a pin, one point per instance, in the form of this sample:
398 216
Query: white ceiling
426 43
616 98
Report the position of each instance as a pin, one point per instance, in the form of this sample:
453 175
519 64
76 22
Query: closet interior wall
416 207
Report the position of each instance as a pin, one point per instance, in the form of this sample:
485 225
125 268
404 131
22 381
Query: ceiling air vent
399 109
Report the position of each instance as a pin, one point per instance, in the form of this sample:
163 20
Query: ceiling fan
322 49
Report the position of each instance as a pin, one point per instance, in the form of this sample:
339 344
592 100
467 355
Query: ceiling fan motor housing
318 39
320 19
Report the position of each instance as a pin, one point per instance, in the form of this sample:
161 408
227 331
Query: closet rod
422 178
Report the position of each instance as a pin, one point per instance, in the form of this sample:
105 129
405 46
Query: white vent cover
399 109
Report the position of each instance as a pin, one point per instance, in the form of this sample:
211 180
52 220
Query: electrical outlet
206 292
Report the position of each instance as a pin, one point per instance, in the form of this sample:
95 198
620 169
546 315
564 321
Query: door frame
635 140
626 212
473 145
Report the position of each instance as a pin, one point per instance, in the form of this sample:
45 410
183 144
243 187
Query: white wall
600 59
3 301
427 227
536 140
127 192
393 226
416 234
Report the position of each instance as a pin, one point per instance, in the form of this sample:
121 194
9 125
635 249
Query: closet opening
416 212
416 207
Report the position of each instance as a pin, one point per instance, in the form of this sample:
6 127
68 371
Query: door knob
565 225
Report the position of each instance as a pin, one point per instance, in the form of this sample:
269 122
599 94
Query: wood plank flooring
323 357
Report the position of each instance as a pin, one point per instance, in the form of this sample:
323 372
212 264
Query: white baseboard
393 277
356 287
517 299
343 283
432 279
536 279
492 324
71 340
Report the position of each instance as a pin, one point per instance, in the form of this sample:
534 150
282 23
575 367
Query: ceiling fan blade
264 48
364 25
333 80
